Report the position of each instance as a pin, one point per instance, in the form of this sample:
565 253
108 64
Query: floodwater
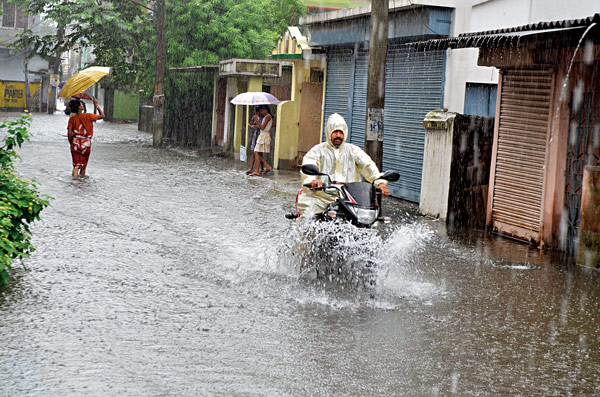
170 272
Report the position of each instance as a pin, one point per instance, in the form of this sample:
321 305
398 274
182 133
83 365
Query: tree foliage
20 202
123 33
113 29
203 32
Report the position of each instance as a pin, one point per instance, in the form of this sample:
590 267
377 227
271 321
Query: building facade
14 63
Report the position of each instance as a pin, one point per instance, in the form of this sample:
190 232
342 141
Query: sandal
249 172
267 171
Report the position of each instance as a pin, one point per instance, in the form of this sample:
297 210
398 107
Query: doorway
310 118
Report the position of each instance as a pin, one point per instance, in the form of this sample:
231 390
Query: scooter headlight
366 217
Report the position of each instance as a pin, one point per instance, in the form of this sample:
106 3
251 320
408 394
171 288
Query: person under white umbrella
263 142
252 98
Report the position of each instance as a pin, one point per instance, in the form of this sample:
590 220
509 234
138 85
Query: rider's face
337 138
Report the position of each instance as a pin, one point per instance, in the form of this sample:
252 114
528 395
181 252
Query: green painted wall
126 106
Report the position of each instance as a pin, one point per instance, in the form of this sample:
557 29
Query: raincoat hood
335 122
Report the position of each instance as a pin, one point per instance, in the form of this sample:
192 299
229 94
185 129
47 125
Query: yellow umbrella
83 80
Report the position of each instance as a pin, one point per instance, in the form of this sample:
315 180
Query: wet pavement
170 272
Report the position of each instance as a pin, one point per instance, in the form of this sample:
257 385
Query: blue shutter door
493 95
413 86
480 99
359 100
477 100
337 87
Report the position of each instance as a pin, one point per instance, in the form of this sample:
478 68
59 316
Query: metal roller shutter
339 62
359 99
521 152
413 86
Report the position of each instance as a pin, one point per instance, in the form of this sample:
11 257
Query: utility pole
376 81
55 70
159 94
27 89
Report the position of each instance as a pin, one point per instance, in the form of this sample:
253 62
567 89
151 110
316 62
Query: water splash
563 93
308 248
400 267
332 251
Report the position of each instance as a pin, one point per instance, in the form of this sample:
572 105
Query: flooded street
167 272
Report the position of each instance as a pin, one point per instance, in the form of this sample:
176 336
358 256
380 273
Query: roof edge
362 11
571 23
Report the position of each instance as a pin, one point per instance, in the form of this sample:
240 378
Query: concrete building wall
12 68
229 111
436 171
12 62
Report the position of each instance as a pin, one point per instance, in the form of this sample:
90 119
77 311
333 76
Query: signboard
12 93
54 80
375 125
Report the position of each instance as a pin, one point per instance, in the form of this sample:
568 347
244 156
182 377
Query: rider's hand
384 189
316 183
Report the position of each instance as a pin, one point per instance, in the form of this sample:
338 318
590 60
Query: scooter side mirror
391 176
311 169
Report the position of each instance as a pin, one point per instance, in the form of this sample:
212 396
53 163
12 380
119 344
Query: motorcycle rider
344 162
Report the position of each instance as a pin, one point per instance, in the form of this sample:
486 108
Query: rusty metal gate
583 149
521 152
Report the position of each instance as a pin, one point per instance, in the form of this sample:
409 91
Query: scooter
358 204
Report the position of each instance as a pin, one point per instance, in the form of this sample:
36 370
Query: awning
490 40
570 29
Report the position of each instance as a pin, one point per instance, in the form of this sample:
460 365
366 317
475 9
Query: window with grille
13 17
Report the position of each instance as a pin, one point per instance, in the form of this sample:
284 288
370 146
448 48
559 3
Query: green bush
20 202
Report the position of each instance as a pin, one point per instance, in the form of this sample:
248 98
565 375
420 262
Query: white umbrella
255 98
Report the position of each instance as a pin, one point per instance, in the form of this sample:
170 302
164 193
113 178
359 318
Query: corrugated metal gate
413 86
337 88
521 152
359 99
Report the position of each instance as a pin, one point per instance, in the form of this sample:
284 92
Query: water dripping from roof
563 93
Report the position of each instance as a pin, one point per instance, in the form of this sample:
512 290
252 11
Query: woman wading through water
80 131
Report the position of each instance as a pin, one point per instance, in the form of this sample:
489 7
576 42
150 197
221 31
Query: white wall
12 68
482 15
498 14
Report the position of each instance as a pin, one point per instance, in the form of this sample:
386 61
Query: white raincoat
348 163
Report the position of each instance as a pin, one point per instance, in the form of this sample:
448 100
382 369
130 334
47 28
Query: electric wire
419 19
